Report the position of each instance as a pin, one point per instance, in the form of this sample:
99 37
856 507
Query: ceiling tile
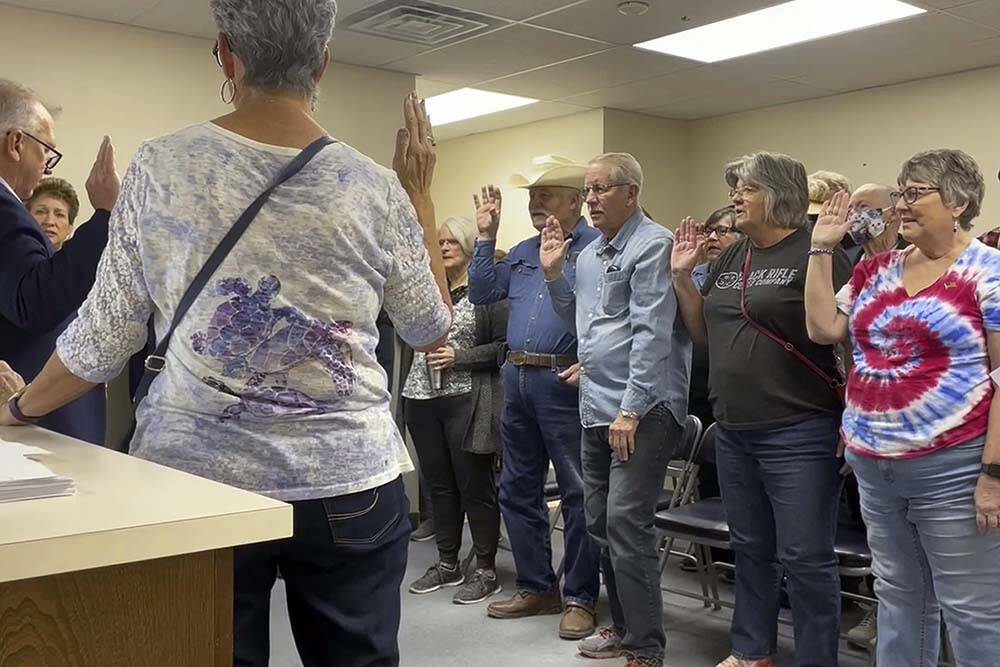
528 114
353 47
600 70
506 51
984 12
429 87
658 91
938 4
509 9
120 11
600 18
737 98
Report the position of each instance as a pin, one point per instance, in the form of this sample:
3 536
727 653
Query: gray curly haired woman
270 382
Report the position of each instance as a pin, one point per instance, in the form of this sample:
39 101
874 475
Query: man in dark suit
41 289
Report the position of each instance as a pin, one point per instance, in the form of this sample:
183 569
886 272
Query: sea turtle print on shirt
257 342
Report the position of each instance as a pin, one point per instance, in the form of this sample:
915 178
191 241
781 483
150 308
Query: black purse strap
157 361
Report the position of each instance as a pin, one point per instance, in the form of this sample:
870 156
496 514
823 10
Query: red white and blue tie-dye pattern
920 381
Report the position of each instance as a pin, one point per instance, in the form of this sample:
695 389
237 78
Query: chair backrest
706 449
683 470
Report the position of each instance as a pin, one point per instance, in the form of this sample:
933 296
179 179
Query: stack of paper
23 478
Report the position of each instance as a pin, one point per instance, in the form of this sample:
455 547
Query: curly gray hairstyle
21 108
956 175
783 182
281 43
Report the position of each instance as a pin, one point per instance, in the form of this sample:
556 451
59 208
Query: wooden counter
134 569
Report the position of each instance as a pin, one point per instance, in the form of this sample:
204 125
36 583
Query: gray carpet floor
436 632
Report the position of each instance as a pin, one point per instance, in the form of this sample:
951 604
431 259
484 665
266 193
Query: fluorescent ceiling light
774 27
466 103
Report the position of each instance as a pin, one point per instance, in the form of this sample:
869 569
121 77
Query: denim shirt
634 351
533 325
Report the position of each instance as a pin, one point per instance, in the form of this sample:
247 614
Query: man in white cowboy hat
541 418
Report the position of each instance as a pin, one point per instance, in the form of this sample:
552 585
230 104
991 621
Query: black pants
342 569
460 482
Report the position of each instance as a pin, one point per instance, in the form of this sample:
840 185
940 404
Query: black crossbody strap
156 362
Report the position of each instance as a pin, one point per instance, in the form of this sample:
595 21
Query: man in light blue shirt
635 358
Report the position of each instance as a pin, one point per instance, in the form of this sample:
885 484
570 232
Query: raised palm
832 223
488 211
689 246
552 253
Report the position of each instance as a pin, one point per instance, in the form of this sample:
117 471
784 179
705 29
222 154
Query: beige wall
467 163
135 84
662 148
865 135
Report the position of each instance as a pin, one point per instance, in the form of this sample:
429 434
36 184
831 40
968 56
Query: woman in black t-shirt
777 410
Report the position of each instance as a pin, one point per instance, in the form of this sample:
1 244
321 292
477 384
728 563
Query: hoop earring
229 92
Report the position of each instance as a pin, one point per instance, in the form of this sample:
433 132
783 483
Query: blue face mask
866 224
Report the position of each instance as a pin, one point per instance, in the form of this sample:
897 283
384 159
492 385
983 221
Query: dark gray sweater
484 361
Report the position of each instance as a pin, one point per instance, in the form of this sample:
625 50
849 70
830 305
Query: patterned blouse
271 382
461 337
920 381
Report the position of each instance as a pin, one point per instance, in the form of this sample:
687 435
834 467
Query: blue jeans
342 568
929 559
541 422
781 490
621 503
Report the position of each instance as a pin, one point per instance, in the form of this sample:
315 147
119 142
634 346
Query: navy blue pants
541 423
781 490
342 569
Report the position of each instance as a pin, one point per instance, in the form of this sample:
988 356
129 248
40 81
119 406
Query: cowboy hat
551 171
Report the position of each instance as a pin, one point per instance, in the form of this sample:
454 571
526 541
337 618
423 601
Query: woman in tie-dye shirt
921 425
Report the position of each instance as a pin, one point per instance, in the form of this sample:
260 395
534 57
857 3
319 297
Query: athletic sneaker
479 586
438 576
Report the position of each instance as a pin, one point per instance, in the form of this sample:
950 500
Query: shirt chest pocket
523 279
616 293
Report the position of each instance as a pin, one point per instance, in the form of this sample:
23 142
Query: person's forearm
691 305
54 387
426 216
821 302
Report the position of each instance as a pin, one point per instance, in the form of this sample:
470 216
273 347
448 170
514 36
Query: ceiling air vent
418 22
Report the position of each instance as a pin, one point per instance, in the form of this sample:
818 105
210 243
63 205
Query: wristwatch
991 469
15 409
628 414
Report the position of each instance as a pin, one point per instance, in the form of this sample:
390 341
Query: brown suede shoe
526 604
577 622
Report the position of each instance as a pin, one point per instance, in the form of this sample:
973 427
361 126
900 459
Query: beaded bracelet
820 251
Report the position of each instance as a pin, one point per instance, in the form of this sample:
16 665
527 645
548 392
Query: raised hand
689 247
488 212
832 224
415 155
103 184
552 253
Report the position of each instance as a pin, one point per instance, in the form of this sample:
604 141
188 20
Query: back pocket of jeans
364 517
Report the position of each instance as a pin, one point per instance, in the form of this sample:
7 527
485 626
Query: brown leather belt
543 360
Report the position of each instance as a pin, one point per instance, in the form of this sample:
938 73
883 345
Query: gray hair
720 214
782 180
625 168
20 107
281 43
956 175
464 231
